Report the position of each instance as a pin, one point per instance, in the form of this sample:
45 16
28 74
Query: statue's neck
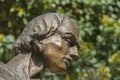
24 66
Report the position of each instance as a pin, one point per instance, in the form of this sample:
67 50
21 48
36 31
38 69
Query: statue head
53 36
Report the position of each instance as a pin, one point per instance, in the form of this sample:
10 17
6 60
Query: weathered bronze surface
49 41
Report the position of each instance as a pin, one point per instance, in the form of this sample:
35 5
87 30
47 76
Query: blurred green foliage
99 23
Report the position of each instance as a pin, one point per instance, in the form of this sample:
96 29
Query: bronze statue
49 41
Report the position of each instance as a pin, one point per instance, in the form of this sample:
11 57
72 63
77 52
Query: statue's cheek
55 62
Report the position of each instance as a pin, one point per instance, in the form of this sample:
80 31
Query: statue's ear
37 46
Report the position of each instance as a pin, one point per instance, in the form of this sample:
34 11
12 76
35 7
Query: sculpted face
60 51
57 38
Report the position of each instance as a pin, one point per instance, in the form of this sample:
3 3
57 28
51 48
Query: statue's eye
69 42
69 38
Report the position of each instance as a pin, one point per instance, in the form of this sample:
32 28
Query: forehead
69 27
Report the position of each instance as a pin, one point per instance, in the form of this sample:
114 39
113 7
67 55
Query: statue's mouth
68 60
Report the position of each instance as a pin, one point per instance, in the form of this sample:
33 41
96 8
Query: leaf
9 39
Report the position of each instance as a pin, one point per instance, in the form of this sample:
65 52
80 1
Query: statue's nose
73 52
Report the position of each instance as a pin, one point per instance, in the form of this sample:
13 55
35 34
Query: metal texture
49 41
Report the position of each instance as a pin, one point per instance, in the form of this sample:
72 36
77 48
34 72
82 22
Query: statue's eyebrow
69 33
73 38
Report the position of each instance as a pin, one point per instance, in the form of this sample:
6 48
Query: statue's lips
68 60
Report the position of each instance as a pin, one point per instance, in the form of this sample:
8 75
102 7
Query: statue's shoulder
5 74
